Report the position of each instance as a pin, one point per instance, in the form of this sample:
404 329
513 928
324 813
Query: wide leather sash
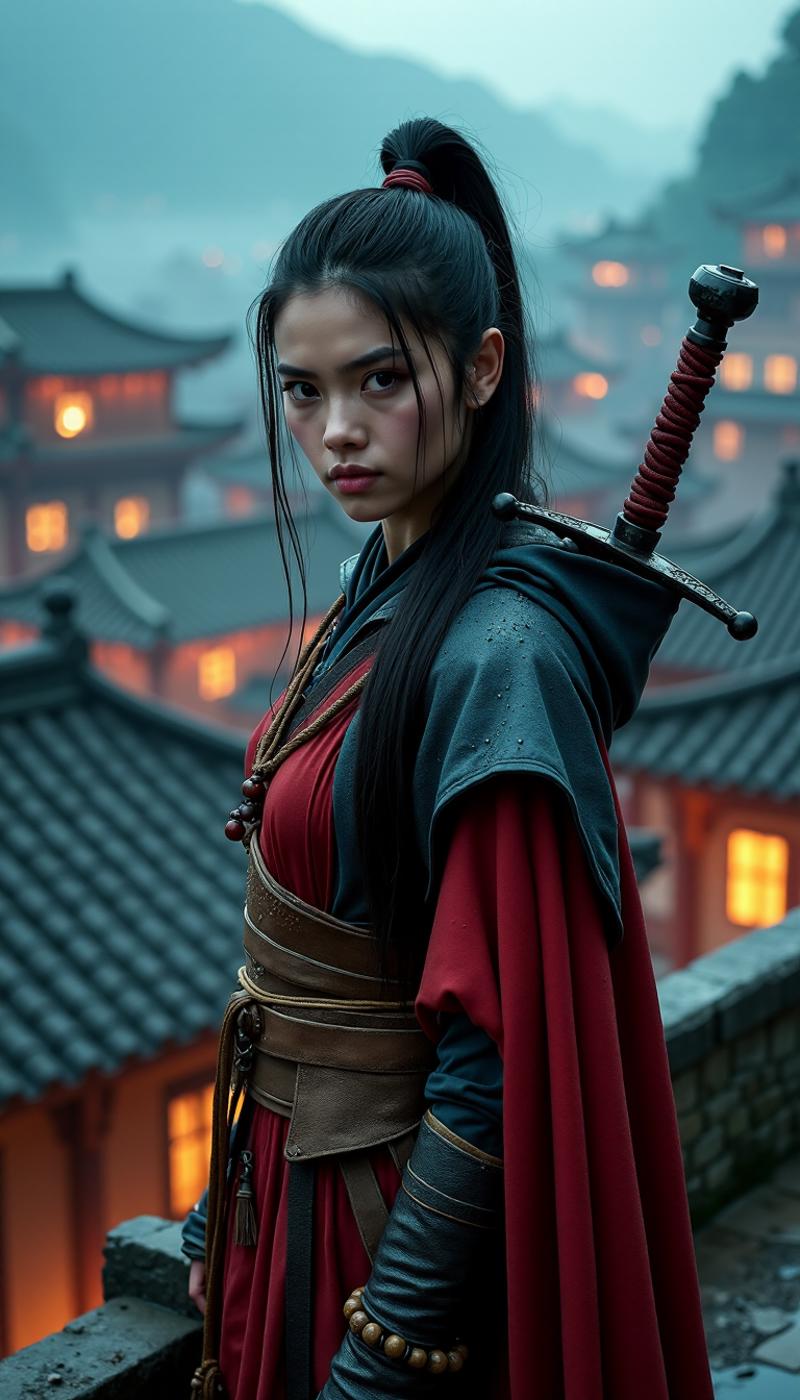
347 1071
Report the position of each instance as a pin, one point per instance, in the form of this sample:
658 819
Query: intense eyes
301 391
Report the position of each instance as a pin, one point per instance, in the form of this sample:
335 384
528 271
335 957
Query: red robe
603 1297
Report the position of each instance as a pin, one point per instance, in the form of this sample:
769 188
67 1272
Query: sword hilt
592 539
722 295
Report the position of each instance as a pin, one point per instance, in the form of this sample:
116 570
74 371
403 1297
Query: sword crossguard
606 544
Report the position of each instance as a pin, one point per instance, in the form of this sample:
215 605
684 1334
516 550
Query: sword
722 296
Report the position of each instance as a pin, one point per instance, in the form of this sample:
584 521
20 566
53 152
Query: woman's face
349 402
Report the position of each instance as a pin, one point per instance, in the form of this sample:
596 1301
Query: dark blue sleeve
465 1090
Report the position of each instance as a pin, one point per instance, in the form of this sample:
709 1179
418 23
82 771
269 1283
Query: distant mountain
235 108
645 149
750 144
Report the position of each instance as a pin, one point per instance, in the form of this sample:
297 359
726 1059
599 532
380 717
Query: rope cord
270 752
653 487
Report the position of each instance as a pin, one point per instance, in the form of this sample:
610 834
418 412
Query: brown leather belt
348 1071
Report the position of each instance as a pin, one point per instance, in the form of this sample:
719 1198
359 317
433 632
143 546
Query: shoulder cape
549 655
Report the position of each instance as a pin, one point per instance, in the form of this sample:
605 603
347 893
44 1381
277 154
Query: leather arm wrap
193 1230
446 1213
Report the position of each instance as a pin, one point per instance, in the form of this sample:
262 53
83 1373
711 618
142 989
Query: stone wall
732 1024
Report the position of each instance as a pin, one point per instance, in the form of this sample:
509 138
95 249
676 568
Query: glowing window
773 240
736 371
755 893
590 386
189 1146
728 440
72 414
610 274
651 335
780 374
240 500
131 516
216 673
47 526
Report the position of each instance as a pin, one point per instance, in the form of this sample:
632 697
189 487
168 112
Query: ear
485 368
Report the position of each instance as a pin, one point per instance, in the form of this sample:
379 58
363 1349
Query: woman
445 953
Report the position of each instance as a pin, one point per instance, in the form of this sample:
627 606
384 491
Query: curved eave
188 440
139 348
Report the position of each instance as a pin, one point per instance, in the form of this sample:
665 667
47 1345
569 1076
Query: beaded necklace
271 750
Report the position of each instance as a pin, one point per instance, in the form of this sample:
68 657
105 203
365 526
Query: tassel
245 1225
207 1382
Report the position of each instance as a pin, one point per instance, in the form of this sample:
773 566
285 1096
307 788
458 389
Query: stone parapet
732 1026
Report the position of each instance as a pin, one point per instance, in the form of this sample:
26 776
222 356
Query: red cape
603 1297
602 1285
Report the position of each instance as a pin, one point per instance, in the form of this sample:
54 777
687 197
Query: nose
344 428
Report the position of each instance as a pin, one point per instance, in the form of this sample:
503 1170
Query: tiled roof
753 406
119 894
58 330
120 897
559 359
778 204
186 440
193 581
621 242
731 732
758 570
571 467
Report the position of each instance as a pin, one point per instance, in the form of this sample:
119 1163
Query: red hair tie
408 179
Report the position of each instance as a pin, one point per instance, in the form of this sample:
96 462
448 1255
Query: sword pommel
722 295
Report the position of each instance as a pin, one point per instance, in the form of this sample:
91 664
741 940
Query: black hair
443 266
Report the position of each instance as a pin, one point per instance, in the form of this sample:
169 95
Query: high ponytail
445 268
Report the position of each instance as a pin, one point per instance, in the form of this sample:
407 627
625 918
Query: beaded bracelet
396 1347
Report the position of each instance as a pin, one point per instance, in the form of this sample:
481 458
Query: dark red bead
253 788
234 830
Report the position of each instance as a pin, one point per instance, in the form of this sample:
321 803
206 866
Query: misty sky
661 64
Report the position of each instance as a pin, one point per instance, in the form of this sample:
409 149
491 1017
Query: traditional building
752 419
195 615
88 430
623 293
754 566
714 767
571 381
119 941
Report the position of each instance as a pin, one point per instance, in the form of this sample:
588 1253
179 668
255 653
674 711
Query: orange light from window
131 516
610 274
728 440
216 673
756 883
780 374
189 1146
651 335
774 240
736 371
240 500
590 386
73 414
109 386
47 526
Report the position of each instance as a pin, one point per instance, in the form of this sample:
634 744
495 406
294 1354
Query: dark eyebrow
381 352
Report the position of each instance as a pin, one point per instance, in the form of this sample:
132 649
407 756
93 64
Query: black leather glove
440 1231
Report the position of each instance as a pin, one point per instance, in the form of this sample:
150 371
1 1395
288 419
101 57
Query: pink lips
352 478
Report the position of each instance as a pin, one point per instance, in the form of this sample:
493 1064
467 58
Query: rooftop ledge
732 1025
